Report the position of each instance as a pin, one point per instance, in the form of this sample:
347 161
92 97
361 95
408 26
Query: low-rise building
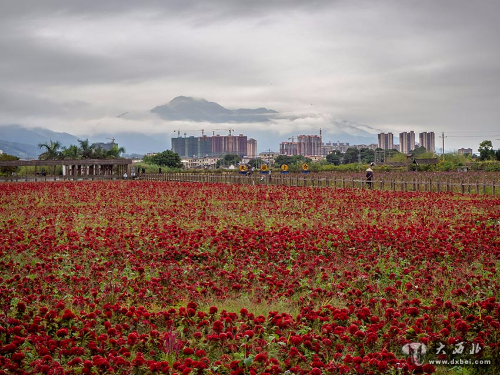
200 163
465 151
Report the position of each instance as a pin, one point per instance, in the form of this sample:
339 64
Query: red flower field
183 278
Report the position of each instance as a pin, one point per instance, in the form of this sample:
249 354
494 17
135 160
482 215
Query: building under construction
306 145
215 145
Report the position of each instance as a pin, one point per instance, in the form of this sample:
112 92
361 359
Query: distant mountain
23 142
190 109
34 136
21 150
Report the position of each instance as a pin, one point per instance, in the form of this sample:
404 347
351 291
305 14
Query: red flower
218 326
62 332
213 310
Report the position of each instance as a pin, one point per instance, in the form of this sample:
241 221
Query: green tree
228 160
100 153
87 150
254 163
115 152
8 170
334 157
52 150
367 155
485 150
351 155
166 158
283 159
71 152
497 154
418 151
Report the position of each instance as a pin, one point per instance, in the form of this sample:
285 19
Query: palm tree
71 152
86 150
52 150
115 152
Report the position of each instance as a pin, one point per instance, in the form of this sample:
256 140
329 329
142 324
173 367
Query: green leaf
248 361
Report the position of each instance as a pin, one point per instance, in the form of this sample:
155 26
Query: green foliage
397 158
334 157
115 152
227 161
71 152
445 166
52 150
283 159
419 151
291 161
367 155
84 150
254 163
166 158
8 170
486 150
351 155
491 166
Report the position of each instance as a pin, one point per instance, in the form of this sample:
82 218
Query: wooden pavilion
76 167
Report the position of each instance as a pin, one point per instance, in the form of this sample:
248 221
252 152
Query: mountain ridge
199 110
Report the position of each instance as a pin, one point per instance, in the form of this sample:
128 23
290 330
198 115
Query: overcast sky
428 65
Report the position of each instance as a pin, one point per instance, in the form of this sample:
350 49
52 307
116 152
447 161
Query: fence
317 180
313 180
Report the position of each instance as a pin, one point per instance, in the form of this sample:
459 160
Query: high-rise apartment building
191 146
289 148
179 146
306 145
216 145
406 142
386 141
427 140
309 145
252 148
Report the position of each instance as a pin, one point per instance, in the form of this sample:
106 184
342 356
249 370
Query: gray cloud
427 65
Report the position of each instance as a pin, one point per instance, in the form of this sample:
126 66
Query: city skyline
306 145
387 66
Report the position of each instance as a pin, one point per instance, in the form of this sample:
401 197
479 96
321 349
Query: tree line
84 150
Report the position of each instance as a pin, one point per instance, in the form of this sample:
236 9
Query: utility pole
442 152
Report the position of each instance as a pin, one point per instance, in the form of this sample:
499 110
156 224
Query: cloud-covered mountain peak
185 108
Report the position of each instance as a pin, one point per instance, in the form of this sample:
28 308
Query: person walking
369 176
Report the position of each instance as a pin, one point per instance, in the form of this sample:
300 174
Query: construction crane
202 131
178 131
112 140
293 138
230 130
